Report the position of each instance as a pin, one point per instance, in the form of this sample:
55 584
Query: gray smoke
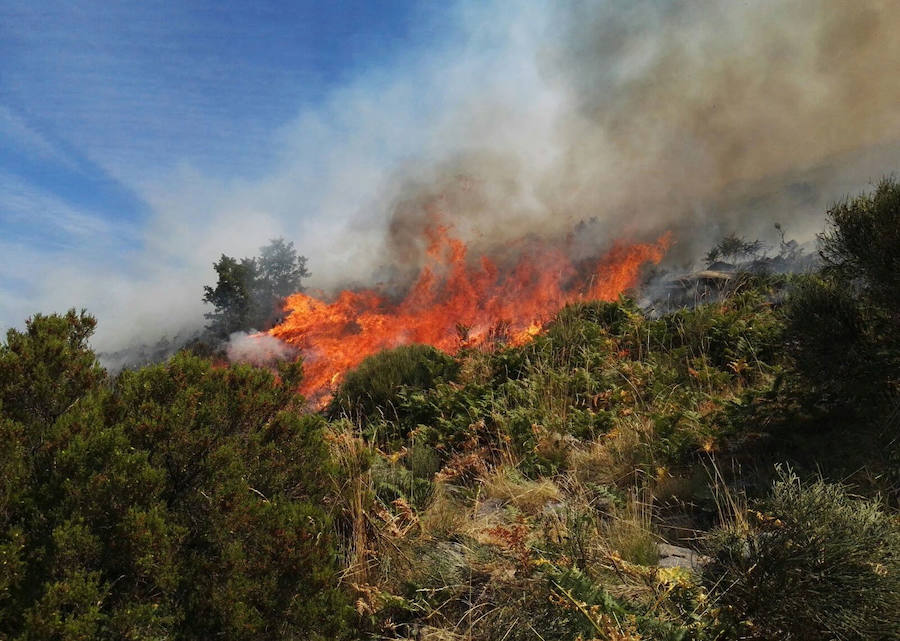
698 117
704 118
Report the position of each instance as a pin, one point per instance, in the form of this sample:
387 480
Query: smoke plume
257 349
698 117
701 117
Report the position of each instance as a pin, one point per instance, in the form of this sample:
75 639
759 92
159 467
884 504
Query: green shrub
843 330
394 481
844 360
372 391
587 610
741 328
860 245
46 368
817 564
183 501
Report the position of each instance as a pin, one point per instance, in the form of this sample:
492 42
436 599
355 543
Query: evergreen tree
281 270
233 296
249 292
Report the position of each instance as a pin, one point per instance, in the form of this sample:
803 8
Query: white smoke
703 118
257 349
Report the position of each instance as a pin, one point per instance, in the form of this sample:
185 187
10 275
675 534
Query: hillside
729 470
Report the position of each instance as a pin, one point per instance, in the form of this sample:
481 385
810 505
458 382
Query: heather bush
180 501
860 244
814 563
371 392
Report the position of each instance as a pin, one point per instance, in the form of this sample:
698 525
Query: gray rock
673 556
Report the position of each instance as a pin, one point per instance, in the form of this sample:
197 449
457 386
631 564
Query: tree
281 269
861 245
249 292
233 296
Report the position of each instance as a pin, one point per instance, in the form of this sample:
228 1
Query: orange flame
452 303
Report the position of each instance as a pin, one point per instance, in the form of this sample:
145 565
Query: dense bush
830 337
843 333
182 501
860 245
371 391
46 368
816 563
846 324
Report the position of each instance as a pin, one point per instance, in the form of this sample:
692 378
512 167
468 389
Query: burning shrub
817 564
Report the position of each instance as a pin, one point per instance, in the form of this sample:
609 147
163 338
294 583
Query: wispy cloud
16 132
35 213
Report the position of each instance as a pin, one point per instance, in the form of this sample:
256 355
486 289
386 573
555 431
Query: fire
453 302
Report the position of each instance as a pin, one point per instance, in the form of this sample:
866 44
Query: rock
673 556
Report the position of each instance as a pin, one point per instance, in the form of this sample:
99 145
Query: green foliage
184 501
817 564
232 297
46 368
861 243
249 292
373 390
843 331
829 336
844 324
741 328
587 610
281 270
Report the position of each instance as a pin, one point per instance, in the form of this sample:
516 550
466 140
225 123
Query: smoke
257 349
708 108
702 117
699 117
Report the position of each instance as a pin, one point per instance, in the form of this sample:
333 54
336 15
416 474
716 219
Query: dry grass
530 497
353 494
445 516
629 532
617 458
478 551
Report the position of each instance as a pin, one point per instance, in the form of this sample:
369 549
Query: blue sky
96 97
100 100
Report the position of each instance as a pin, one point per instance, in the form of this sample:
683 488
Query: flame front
453 302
